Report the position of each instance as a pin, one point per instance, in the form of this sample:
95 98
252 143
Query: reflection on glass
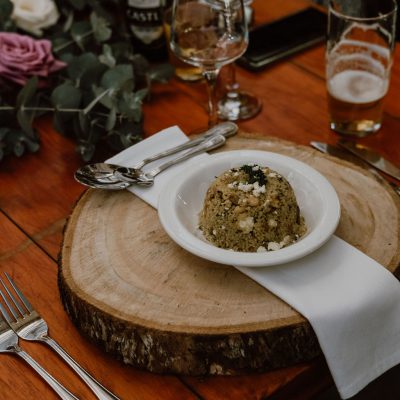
235 103
209 34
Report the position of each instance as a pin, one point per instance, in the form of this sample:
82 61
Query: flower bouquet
72 58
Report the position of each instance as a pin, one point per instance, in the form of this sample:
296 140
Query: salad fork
29 325
9 344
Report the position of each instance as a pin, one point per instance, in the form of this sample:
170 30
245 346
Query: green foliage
6 9
254 174
97 98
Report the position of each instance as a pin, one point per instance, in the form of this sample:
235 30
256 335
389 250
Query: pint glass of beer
359 54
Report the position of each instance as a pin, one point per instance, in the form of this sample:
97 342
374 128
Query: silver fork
29 325
9 344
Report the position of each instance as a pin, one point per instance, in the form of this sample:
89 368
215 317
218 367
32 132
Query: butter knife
344 154
372 158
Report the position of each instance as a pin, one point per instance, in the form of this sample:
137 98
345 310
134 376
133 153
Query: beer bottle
145 24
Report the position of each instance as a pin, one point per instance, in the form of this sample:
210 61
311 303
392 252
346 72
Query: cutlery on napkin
350 300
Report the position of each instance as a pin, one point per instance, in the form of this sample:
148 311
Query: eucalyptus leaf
27 92
68 21
84 123
124 135
6 9
18 149
122 51
66 96
80 31
90 106
60 43
100 27
31 143
67 58
96 131
111 119
97 6
92 76
61 123
25 119
76 127
125 141
161 73
4 131
140 64
106 100
81 65
140 95
116 77
130 107
86 150
107 57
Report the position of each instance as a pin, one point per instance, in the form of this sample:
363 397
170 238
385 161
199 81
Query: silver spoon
102 171
123 177
95 183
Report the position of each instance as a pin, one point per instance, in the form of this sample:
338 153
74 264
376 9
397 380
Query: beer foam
365 47
376 27
357 87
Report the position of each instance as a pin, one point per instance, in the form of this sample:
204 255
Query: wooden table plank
36 274
263 386
39 201
36 197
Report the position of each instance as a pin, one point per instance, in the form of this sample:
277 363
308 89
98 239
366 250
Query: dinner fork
9 344
29 325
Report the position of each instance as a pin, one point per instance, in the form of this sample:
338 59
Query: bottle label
145 19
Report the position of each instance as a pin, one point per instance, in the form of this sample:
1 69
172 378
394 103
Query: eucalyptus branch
66 44
50 109
96 99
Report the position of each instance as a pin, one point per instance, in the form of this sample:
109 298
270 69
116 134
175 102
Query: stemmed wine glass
235 103
209 34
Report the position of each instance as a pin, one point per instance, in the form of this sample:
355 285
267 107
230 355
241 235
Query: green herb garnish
254 176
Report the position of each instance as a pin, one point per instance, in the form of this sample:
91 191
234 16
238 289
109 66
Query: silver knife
342 153
372 158
333 150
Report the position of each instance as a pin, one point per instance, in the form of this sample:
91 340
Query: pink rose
22 57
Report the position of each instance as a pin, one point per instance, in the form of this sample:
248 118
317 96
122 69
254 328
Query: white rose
34 15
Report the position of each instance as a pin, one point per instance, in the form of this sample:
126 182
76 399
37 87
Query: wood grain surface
37 193
124 281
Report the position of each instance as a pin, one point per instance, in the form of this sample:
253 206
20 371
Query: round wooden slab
127 286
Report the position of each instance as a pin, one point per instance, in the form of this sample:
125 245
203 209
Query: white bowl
181 201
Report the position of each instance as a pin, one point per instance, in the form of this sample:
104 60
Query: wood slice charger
126 285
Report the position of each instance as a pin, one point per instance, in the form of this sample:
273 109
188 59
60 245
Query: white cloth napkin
351 301
163 140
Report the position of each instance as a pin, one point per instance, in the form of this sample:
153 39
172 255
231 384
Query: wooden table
38 192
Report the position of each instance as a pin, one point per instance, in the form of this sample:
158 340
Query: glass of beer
359 54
